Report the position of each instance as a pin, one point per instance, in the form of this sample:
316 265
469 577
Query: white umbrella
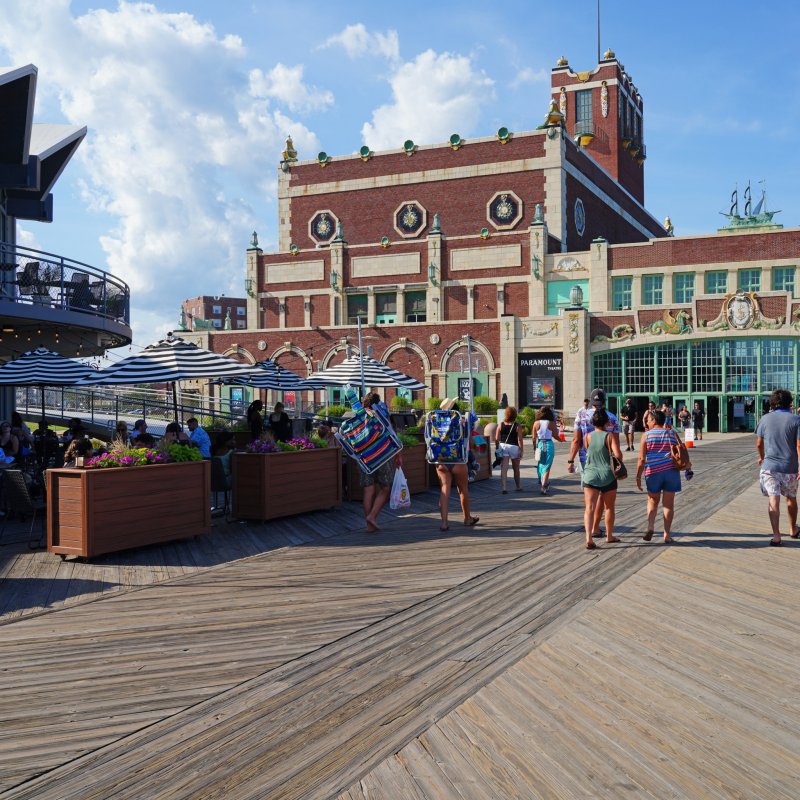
169 361
350 372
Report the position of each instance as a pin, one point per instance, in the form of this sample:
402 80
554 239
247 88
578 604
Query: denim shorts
667 481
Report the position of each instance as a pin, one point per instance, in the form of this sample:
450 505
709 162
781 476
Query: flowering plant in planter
123 456
183 452
262 446
299 443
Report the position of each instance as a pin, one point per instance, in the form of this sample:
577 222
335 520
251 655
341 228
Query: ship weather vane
752 217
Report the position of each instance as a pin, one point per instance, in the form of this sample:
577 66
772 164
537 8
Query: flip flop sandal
472 522
670 540
773 543
648 536
591 546
613 540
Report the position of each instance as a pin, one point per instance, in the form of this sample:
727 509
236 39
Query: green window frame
783 280
652 290
683 288
717 281
621 293
416 306
583 105
357 306
386 308
749 280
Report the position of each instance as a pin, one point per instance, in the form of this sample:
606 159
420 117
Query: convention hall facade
538 246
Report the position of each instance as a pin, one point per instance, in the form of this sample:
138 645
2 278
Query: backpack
446 437
679 455
367 437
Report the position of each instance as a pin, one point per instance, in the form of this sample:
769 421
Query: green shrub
486 405
400 403
484 421
334 411
418 405
434 403
406 440
184 452
413 429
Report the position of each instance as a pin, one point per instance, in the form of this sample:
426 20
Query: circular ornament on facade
262 345
434 338
741 311
410 218
504 210
322 226
580 217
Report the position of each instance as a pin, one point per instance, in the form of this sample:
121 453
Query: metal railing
34 277
105 407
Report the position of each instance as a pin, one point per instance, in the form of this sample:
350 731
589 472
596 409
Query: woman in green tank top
599 483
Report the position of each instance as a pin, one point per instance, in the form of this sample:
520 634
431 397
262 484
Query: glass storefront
731 378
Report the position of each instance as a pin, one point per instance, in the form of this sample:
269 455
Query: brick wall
368 214
520 237
316 344
516 299
444 157
295 313
602 326
649 316
271 312
320 310
708 309
455 302
726 250
485 301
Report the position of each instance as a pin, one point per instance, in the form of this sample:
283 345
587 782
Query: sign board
688 435
738 409
466 391
237 400
540 379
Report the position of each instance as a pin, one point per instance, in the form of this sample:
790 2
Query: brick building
207 312
493 237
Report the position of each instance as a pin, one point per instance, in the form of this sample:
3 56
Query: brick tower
604 114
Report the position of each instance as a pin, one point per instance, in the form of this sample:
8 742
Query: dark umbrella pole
175 399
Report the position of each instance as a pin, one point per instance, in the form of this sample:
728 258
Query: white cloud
433 96
528 75
182 148
286 85
357 41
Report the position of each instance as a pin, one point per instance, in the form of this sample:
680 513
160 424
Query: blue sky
188 105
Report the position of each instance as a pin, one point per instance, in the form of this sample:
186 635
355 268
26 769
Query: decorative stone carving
669 324
562 101
567 264
740 311
604 99
574 334
527 331
619 333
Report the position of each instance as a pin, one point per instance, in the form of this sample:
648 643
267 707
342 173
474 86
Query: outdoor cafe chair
219 483
18 501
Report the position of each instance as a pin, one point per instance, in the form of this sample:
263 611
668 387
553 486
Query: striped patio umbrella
169 361
349 372
43 368
266 375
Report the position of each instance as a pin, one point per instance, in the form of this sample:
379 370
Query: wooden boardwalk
502 661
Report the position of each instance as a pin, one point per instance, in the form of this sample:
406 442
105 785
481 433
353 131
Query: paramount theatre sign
540 378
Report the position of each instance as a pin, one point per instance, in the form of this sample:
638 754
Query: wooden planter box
270 485
96 511
415 468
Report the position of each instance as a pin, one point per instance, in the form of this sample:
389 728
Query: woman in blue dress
545 433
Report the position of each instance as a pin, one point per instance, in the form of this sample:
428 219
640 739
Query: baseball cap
597 397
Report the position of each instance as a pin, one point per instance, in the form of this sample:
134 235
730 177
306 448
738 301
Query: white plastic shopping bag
400 496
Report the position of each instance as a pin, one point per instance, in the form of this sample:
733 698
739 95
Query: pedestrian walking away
662 477
778 446
543 432
599 481
577 448
509 443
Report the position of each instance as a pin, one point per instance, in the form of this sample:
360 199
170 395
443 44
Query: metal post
361 356
469 371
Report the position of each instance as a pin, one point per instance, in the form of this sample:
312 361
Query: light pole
469 368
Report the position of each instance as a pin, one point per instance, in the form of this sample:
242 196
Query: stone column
253 283
434 297
577 358
599 279
401 307
508 360
537 292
